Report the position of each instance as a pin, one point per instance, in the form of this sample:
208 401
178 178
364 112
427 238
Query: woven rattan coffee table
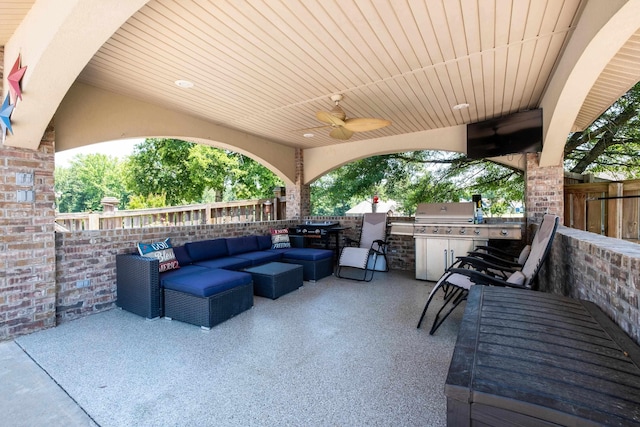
275 279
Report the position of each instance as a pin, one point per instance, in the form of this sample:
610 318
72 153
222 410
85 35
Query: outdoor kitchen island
444 231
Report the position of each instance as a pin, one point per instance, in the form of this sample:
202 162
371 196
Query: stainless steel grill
443 231
444 213
449 220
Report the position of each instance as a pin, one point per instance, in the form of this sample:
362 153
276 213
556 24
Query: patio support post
544 189
28 281
299 194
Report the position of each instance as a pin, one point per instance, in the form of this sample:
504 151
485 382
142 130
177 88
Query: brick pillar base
28 264
544 190
299 194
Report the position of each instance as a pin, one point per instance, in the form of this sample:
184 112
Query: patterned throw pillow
280 239
163 251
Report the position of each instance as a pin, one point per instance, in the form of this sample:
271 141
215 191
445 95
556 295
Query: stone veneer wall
27 266
600 269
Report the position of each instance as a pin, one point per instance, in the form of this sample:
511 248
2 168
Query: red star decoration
15 75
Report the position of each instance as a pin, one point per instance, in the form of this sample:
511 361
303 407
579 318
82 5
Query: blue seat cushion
207 283
308 254
260 257
207 249
231 263
280 251
182 271
240 245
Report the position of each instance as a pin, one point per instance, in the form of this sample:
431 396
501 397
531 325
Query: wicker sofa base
137 285
313 270
207 311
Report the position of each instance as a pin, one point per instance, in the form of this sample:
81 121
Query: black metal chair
469 271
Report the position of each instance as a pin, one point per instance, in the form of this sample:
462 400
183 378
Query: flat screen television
516 133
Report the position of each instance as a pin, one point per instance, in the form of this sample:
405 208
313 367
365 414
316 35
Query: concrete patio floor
335 353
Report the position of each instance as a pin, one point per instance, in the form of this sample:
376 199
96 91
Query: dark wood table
536 359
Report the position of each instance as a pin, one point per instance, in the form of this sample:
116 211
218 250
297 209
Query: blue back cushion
240 245
207 249
181 255
264 242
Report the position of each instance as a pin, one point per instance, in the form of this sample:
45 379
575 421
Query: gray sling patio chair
457 281
493 261
370 253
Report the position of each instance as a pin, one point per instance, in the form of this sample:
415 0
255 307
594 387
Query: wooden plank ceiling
266 67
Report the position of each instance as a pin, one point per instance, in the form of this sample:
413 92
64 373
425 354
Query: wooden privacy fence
208 213
607 208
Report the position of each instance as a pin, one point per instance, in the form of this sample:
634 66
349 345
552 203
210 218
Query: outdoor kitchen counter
513 230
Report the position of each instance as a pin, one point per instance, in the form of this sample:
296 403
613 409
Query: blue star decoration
5 117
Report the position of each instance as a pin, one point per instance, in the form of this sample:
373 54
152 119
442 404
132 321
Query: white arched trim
88 115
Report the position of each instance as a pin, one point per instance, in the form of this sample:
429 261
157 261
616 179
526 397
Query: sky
120 148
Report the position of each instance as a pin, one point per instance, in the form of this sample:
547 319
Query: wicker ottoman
208 298
275 279
316 263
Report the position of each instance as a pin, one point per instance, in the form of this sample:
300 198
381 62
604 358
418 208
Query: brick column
299 194
27 217
544 190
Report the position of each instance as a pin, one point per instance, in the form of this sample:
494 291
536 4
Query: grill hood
445 213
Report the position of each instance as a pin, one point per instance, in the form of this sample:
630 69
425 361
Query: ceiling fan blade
364 124
327 117
312 128
341 133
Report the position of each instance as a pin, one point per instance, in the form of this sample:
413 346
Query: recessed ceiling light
184 83
460 106
308 135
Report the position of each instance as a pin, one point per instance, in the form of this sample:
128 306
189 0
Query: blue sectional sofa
210 286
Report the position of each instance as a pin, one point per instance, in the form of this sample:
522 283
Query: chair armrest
483 266
480 278
379 246
496 252
494 259
138 285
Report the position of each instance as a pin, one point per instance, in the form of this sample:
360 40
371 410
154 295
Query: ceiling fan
344 128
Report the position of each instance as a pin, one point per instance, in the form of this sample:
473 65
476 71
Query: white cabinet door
421 259
437 257
434 256
458 247
442 254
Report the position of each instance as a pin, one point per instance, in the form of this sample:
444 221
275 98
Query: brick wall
86 263
544 190
27 281
600 269
85 260
299 194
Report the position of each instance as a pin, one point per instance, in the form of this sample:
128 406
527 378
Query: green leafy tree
612 143
144 202
187 173
88 179
411 178
160 166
